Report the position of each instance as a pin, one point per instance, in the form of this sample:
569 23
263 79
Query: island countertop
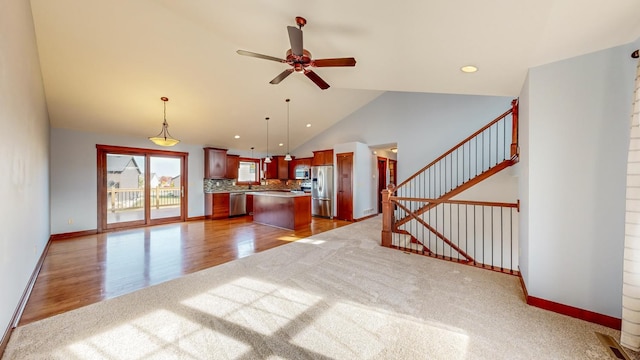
287 194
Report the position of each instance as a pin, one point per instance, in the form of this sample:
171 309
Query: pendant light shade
164 138
267 159
288 156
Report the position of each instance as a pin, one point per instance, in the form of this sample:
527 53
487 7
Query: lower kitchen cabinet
220 206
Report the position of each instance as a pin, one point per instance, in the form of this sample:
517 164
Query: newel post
514 129
387 213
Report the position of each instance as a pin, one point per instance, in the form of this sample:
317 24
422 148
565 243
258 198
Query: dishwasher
237 204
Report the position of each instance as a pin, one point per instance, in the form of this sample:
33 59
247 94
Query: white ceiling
106 64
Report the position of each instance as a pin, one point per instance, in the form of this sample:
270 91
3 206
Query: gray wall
577 114
74 177
24 159
423 125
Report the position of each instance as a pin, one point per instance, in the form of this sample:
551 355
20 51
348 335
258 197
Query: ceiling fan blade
295 38
334 62
281 77
316 79
260 56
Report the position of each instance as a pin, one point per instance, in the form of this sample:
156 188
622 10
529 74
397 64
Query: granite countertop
258 191
279 193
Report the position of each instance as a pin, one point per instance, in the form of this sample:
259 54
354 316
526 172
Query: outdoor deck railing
121 199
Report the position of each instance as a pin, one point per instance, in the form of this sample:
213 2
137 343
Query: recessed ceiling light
281 144
308 125
469 69
237 136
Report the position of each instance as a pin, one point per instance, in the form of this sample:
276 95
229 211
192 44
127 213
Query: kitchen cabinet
215 163
220 206
233 162
271 169
278 168
322 157
249 204
299 164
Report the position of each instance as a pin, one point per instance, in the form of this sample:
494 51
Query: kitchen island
289 210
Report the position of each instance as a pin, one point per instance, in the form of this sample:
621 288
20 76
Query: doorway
139 187
382 180
345 191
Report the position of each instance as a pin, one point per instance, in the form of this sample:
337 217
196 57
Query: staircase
420 216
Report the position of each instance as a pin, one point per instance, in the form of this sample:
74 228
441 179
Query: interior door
382 180
138 187
345 192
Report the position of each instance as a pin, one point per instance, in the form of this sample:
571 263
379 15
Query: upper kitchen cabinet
233 163
322 157
215 163
278 168
299 164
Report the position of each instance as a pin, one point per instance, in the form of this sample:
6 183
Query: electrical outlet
70 221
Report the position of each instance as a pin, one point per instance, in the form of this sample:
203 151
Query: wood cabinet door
233 162
283 168
293 165
271 171
318 158
215 163
220 205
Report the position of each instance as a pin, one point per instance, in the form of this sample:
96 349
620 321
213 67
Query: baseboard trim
17 314
524 286
365 218
70 235
197 218
575 312
586 315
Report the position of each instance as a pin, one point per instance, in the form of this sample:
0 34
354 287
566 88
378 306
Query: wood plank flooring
85 270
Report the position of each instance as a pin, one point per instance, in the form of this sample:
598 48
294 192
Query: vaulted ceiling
105 64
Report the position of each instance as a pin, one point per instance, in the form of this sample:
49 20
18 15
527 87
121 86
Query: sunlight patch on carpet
312 241
253 304
367 332
159 332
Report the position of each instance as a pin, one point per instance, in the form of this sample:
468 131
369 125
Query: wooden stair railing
475 250
486 152
429 227
482 154
457 190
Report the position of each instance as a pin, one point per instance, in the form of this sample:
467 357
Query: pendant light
267 159
288 156
164 138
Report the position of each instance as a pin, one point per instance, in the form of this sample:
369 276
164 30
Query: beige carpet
336 295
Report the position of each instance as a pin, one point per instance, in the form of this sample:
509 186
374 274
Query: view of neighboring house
123 172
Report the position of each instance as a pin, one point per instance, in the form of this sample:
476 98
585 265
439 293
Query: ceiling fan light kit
164 138
300 59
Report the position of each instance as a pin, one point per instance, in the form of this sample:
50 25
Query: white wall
578 130
74 177
24 158
523 180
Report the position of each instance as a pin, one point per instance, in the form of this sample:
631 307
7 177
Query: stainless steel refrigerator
322 191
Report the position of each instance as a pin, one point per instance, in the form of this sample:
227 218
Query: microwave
302 174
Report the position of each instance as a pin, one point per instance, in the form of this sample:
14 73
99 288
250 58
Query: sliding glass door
138 187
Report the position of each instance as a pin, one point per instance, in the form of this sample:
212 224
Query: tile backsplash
223 185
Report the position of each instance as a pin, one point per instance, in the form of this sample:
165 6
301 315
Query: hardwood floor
85 270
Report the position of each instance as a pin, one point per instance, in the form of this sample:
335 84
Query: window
249 171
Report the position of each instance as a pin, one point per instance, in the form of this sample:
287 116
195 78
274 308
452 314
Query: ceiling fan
300 59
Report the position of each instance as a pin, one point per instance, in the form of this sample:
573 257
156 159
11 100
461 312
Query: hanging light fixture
288 156
164 138
267 159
